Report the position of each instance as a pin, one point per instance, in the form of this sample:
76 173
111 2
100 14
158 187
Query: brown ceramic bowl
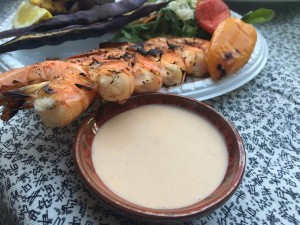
233 177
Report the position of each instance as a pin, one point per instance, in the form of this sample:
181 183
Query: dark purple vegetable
88 4
85 4
96 14
74 32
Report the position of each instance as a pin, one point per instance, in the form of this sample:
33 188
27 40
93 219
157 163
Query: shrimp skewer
60 91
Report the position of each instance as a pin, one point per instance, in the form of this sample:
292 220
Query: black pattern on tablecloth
39 184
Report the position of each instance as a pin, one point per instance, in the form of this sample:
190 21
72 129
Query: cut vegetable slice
28 14
230 47
210 13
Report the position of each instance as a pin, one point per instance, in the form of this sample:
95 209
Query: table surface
39 183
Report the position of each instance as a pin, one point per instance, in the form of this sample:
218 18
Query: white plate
200 89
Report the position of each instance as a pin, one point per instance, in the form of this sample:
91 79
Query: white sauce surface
161 157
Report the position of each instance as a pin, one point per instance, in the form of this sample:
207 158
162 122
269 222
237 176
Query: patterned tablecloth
39 183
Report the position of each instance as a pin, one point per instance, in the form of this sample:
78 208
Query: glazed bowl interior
232 179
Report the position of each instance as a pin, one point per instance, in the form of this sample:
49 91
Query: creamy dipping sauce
160 157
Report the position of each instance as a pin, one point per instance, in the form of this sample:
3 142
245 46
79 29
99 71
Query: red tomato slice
210 13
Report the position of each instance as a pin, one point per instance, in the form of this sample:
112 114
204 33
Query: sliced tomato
210 13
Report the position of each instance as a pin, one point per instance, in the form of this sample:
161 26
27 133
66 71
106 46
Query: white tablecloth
39 183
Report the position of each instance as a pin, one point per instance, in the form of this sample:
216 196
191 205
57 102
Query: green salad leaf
261 15
177 19
165 22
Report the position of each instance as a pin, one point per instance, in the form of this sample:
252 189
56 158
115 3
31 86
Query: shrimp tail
17 99
12 109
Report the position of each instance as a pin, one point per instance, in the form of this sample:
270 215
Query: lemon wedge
28 14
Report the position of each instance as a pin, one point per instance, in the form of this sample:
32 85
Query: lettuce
176 19
184 9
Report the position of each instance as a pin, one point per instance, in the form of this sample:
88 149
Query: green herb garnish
177 19
164 22
261 15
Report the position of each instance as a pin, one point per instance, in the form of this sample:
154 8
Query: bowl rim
160 214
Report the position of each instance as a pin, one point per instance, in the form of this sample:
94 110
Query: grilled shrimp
59 91
191 50
175 71
115 80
